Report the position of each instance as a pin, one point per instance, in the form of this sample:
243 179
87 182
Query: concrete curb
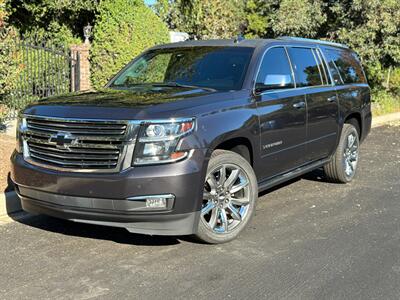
384 119
11 204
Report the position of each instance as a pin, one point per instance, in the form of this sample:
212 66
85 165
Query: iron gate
46 70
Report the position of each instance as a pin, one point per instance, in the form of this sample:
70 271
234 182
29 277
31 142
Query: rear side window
346 63
306 68
275 71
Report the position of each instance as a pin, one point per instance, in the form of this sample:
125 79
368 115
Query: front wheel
229 197
343 165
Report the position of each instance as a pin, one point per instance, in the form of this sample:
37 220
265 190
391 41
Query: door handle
299 105
331 99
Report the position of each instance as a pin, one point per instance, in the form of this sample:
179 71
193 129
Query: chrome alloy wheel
226 198
351 154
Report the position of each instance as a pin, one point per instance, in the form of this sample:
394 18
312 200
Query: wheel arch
357 117
238 144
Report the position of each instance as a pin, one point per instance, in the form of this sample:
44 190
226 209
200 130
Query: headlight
157 142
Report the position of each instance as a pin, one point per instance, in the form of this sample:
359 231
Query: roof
253 43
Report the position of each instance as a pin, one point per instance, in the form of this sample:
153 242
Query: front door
282 115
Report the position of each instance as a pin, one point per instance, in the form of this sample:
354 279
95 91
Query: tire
229 198
343 165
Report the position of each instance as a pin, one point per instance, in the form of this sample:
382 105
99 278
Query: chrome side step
273 181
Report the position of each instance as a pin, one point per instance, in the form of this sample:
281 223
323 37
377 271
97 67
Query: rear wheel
342 168
229 197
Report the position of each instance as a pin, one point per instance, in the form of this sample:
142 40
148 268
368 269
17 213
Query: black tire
227 159
335 170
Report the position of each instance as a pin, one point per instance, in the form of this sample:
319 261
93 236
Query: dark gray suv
183 139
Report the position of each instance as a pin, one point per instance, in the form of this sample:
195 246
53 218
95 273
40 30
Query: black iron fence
46 70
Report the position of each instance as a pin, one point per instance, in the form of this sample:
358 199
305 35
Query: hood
143 103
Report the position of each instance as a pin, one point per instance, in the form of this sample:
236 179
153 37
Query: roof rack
238 39
299 39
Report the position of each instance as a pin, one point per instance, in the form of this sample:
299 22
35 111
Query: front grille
80 145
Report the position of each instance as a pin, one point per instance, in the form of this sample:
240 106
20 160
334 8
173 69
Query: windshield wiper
176 84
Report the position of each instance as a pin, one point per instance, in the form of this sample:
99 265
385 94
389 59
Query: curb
11 204
384 119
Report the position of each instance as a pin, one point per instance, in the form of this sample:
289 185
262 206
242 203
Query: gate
46 70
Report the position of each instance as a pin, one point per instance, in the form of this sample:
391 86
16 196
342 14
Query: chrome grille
78 145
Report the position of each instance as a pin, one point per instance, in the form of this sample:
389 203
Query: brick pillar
80 53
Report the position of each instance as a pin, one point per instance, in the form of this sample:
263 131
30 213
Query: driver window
275 71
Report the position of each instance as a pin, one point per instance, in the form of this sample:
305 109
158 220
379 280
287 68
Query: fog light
153 202
156 202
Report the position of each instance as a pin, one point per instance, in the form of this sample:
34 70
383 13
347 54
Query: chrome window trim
292 69
325 67
259 68
318 63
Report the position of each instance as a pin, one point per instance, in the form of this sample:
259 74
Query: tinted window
332 68
306 68
213 67
347 64
275 67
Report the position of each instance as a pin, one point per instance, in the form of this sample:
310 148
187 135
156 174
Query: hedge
124 28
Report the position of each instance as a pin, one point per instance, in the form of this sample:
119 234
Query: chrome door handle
299 105
331 99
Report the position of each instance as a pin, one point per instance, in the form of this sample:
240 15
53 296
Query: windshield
220 68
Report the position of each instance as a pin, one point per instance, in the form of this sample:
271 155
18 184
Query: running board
269 183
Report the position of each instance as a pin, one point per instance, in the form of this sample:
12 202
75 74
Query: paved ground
309 240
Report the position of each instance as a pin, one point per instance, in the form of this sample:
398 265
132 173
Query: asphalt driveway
309 240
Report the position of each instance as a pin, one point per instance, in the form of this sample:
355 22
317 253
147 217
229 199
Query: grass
384 102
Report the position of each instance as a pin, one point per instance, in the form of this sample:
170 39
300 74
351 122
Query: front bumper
111 199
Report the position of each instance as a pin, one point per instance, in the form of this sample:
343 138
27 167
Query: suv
183 139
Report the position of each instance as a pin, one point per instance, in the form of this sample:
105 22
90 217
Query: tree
9 64
372 28
123 29
298 18
59 21
203 19
259 15
270 18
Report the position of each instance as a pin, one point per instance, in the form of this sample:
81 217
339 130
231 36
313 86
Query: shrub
9 63
123 29
394 80
384 102
204 19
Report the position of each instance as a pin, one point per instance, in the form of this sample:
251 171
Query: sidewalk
382 120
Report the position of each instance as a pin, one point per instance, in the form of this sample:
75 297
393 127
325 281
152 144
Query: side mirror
275 81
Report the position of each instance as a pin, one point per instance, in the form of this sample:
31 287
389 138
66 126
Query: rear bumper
115 199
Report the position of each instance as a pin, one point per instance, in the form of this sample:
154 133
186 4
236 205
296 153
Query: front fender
236 120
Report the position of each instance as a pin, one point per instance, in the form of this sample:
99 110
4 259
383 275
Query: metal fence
46 70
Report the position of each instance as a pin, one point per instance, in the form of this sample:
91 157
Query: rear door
282 115
322 105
